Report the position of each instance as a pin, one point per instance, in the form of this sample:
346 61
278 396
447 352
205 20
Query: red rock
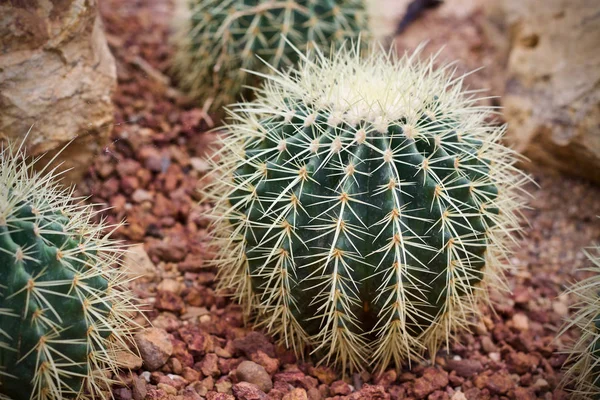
209 365
248 391
192 263
499 383
190 374
219 396
253 342
169 301
155 347
270 364
370 392
387 378
438 395
129 184
180 351
296 394
226 365
465 367
340 387
170 250
197 340
432 380
524 394
522 363
294 377
324 374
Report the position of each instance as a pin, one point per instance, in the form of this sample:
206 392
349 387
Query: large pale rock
552 98
56 77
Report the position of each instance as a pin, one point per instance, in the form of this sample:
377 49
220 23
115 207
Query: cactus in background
216 38
361 205
584 374
65 316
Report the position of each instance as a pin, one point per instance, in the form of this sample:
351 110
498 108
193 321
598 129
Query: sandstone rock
251 372
155 347
57 76
552 94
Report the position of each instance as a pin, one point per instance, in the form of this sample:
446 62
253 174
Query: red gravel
149 175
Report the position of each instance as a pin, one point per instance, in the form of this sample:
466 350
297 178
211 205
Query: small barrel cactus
361 204
217 39
584 373
65 316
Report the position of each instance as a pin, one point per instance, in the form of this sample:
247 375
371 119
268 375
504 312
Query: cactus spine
361 205
216 39
65 317
584 374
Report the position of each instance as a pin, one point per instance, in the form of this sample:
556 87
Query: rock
340 388
248 391
136 260
296 394
224 385
499 383
128 360
458 396
370 392
57 77
270 364
141 195
155 347
520 322
432 380
465 368
209 365
522 363
323 374
139 389
219 396
253 342
249 371
552 93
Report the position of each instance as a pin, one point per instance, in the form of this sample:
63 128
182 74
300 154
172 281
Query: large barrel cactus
584 373
362 203
217 39
65 317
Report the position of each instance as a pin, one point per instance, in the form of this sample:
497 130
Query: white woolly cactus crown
362 203
65 311
584 373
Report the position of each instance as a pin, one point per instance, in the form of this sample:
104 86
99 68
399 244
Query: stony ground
199 348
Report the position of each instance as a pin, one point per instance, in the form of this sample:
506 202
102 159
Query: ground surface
149 175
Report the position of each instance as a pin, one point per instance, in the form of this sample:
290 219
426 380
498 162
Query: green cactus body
584 373
216 39
64 317
367 204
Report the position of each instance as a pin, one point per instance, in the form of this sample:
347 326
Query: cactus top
362 204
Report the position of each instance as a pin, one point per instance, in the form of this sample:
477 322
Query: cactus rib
362 205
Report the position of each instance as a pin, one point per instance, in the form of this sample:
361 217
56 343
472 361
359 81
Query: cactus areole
361 204
64 315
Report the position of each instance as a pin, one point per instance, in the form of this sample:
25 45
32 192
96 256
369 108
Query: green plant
584 373
65 315
217 39
362 204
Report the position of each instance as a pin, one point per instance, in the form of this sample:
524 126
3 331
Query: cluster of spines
294 138
217 40
81 254
584 373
